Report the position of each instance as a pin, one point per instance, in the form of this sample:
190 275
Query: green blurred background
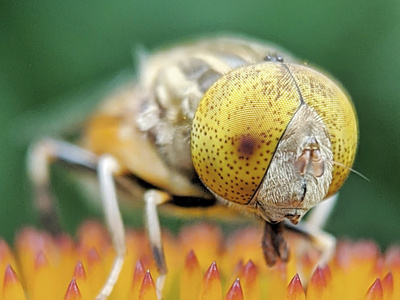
58 57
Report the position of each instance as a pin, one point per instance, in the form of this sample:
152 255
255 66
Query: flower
202 263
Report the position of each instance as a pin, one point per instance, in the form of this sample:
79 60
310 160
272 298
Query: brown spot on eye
240 112
247 145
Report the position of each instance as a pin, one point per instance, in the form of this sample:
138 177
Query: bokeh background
57 58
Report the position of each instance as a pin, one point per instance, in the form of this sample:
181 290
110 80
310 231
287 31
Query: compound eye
238 125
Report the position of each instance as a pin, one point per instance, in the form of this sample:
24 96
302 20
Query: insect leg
320 214
320 239
152 199
311 229
40 156
107 168
273 244
46 151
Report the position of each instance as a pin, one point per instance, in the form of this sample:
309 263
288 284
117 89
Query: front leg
311 230
273 243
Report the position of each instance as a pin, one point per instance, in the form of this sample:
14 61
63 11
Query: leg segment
320 214
273 243
107 168
323 241
311 229
40 156
152 199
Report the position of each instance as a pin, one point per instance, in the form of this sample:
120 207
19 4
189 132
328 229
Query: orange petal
277 281
211 288
138 276
82 282
204 239
375 291
73 292
250 281
295 290
12 288
96 273
191 277
317 287
235 292
45 274
6 259
148 289
387 286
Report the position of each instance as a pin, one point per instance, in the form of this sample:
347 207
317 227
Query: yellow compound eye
238 125
242 117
